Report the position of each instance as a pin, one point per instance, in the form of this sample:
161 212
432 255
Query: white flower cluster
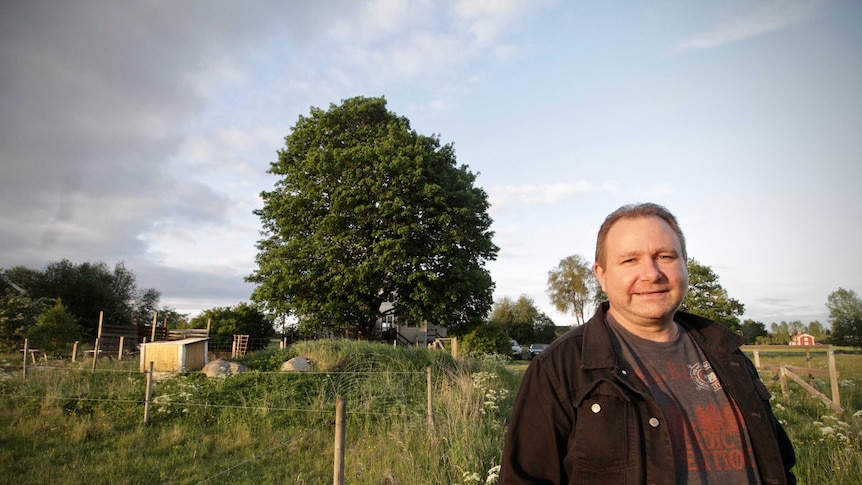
836 430
470 477
493 475
473 477
165 402
482 381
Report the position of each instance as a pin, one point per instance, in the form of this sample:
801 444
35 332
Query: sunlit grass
69 425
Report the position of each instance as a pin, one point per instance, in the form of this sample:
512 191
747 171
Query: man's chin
658 311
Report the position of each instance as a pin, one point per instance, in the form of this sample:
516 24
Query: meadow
66 424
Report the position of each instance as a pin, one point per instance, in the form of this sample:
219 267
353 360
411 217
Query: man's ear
600 274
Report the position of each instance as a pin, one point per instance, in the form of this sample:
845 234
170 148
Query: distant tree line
63 301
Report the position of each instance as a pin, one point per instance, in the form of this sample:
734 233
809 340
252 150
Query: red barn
802 339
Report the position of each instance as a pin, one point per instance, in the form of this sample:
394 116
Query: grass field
68 425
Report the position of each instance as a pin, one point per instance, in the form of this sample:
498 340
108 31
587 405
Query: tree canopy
241 319
754 332
845 316
572 286
521 320
18 314
55 329
708 299
86 290
366 211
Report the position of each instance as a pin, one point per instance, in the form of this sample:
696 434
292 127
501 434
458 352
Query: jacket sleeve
539 428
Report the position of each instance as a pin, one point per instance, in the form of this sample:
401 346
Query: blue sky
142 131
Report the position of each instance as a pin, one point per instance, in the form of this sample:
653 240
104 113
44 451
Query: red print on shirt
717 445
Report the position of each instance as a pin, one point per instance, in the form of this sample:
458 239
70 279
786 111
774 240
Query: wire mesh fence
304 402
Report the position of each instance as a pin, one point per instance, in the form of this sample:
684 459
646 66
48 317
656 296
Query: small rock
300 364
222 368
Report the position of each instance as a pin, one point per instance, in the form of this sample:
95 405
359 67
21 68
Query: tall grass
67 424
828 445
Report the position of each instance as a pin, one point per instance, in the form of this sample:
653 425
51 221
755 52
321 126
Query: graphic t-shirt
708 435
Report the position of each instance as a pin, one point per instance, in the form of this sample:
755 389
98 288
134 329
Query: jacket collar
598 349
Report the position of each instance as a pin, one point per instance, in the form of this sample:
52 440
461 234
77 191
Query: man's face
644 274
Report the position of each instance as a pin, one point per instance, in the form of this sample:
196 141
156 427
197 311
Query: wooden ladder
240 345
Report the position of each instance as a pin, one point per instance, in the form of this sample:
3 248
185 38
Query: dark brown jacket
556 436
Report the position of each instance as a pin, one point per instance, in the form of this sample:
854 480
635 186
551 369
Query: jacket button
653 422
596 408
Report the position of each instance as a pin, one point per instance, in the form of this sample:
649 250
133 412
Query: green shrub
487 339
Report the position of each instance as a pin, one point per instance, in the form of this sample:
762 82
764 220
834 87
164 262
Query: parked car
536 349
517 351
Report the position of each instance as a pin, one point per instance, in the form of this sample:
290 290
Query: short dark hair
636 211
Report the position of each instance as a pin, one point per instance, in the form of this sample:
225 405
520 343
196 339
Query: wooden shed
189 354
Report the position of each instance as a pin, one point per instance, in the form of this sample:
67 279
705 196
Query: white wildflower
471 477
493 475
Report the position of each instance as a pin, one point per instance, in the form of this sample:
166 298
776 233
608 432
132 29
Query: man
642 393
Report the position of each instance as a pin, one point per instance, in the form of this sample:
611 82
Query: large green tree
522 320
88 289
572 286
365 211
845 316
707 298
753 331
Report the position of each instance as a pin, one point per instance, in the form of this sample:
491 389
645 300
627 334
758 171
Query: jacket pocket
601 437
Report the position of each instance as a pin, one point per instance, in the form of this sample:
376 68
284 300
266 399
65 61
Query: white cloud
770 18
507 196
486 19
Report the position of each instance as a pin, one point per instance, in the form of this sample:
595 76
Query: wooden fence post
149 394
120 350
75 351
782 375
429 386
98 346
833 376
26 351
153 332
338 470
96 354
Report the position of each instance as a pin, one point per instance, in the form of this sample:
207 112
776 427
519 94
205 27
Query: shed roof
185 341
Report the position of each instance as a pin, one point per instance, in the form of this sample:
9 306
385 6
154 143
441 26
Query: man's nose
650 270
